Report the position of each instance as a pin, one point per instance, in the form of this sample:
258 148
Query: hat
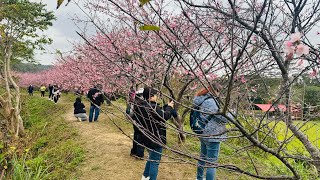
140 91
149 92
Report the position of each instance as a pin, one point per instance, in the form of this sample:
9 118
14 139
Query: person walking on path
96 99
50 88
153 120
56 94
79 111
30 90
216 127
42 90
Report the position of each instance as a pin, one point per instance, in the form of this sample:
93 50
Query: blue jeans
96 111
152 165
209 152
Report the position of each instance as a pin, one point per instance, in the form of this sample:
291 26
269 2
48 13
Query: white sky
62 32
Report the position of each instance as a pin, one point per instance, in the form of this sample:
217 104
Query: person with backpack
212 127
152 118
96 99
79 111
42 90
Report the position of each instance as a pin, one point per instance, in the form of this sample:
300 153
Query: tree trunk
181 136
11 99
303 138
17 107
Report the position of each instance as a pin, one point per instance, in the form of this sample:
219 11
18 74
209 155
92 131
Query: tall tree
20 24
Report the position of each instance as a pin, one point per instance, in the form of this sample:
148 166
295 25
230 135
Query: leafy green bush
312 95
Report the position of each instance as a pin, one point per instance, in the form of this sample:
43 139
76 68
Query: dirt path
108 151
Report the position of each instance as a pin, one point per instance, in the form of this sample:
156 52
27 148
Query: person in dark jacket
137 149
50 88
79 111
30 90
153 118
96 99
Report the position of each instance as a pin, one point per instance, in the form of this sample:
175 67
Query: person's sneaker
145 178
79 119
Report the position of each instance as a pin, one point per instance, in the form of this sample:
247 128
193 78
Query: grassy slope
50 141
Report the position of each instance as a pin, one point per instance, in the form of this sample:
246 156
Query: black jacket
50 88
79 108
30 89
95 97
153 118
137 110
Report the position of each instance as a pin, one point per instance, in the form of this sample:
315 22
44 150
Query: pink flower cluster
294 45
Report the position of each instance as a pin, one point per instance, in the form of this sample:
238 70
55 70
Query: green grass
311 129
52 146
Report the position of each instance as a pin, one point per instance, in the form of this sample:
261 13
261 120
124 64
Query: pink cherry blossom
289 49
302 49
288 43
295 37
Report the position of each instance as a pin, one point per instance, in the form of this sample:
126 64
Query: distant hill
28 67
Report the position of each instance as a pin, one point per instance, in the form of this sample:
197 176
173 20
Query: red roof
266 107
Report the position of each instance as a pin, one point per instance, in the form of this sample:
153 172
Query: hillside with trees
30 67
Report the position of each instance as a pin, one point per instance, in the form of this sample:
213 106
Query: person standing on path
153 119
50 88
30 90
134 112
216 127
42 90
96 99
